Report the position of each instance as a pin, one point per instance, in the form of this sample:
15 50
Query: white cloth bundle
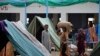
68 25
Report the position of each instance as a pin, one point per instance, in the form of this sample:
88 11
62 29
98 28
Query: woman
65 29
93 35
81 42
64 39
6 48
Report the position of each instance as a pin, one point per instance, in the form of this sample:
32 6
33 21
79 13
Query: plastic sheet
22 44
54 37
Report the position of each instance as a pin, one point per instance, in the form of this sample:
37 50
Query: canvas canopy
23 3
25 43
54 37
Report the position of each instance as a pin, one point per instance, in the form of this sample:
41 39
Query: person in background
46 41
63 42
81 42
6 47
92 32
65 29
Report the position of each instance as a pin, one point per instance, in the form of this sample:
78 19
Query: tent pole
99 23
25 13
35 26
46 8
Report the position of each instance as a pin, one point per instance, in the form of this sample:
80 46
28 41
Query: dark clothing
3 37
63 45
81 44
63 49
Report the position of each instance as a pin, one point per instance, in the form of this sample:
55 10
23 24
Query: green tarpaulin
54 37
21 3
96 50
23 41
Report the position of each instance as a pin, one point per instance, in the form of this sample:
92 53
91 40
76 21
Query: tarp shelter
22 40
23 3
54 37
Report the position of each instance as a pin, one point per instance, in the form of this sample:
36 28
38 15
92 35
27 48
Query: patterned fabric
35 42
22 44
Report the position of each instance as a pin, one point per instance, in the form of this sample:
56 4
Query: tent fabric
35 42
32 27
22 44
96 50
54 37
21 3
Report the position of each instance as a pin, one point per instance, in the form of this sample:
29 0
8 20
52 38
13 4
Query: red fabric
81 43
